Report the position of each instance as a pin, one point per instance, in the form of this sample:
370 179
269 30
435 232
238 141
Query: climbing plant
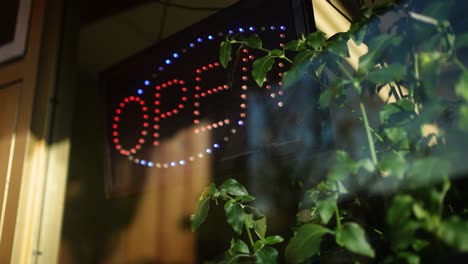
401 199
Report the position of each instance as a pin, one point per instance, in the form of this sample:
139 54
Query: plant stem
394 92
460 64
337 216
249 234
416 74
226 196
360 119
286 58
368 132
364 116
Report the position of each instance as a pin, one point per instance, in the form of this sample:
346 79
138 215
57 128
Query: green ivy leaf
248 220
305 243
326 97
409 257
235 217
253 42
397 113
463 118
261 67
241 247
437 196
461 88
266 255
298 68
420 212
398 136
316 39
341 188
391 73
430 65
461 41
326 208
392 164
271 240
404 235
426 171
359 31
427 220
254 211
260 227
245 198
276 52
203 207
399 210
420 244
225 53
352 237
210 190
259 244
454 232
437 10
231 250
402 228
295 45
233 187
337 45
365 164
376 47
342 167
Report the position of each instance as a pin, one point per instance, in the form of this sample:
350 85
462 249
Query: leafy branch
240 216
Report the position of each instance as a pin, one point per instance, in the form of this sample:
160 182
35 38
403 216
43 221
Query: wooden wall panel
160 230
172 237
22 71
27 85
8 116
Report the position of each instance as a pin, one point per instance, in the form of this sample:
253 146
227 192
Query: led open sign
181 93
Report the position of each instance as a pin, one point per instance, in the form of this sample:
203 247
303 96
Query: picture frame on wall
14 25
